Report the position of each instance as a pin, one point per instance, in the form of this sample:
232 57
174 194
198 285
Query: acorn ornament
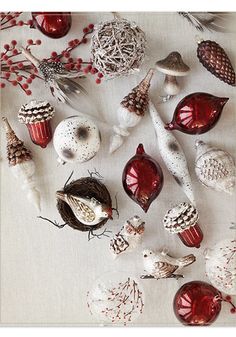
197 113
183 220
213 57
76 139
172 154
37 115
215 168
131 110
142 178
172 67
21 164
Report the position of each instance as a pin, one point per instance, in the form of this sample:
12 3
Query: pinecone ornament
132 109
138 99
21 164
17 153
213 57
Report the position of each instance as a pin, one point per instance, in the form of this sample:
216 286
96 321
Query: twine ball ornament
83 187
118 48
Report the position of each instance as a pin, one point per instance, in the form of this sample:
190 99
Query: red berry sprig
15 69
18 71
11 19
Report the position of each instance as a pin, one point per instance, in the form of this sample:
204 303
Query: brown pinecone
214 59
137 100
17 153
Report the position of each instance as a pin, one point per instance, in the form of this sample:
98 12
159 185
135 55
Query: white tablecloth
46 272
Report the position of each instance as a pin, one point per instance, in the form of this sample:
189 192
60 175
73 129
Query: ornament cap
140 149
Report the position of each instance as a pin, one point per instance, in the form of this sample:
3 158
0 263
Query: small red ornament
52 24
142 178
197 303
197 113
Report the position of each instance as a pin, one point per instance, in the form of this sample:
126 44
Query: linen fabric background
46 272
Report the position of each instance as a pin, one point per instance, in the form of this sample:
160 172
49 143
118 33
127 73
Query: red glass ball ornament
197 113
52 24
142 178
197 303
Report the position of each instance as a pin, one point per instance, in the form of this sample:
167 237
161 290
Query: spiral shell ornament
215 168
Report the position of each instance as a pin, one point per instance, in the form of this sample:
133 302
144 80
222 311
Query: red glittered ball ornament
52 24
142 178
197 303
197 113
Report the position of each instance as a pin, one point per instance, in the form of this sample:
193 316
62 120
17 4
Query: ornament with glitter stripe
36 115
182 220
221 265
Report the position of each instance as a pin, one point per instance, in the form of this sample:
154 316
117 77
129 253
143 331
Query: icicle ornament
131 110
172 154
215 168
21 164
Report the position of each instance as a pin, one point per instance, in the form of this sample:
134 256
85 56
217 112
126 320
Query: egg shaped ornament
221 265
76 139
197 303
116 298
142 178
215 168
52 24
197 113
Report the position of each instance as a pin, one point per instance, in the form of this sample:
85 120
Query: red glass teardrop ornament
197 303
52 24
197 113
40 133
192 236
142 178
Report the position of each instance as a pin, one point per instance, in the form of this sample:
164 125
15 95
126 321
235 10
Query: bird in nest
161 265
88 211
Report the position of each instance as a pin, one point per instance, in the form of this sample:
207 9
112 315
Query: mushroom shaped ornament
172 66
76 139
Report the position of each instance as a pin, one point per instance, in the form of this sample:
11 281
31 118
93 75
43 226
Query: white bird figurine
129 237
88 211
160 265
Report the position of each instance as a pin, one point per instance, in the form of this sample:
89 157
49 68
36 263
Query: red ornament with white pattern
142 178
36 115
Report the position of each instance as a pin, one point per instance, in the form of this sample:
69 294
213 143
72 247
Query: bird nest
84 187
118 48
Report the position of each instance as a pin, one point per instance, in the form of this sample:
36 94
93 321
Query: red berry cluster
76 64
229 300
16 70
11 19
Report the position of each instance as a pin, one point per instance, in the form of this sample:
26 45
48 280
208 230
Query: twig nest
76 138
118 48
88 188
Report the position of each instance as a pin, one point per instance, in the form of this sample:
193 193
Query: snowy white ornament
116 298
76 139
221 266
172 154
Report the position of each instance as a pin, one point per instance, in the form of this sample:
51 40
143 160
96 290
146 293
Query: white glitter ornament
172 154
116 298
76 139
118 47
221 266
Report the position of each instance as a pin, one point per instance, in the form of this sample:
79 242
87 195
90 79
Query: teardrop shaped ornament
197 113
142 178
